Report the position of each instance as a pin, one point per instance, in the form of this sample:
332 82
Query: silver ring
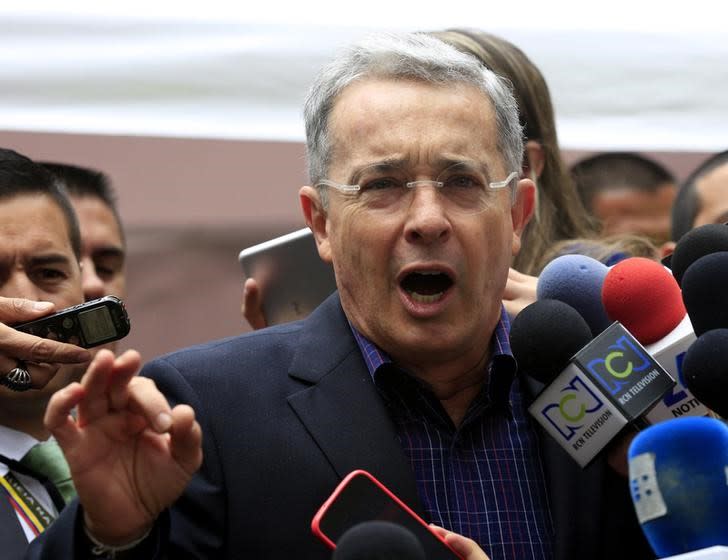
18 378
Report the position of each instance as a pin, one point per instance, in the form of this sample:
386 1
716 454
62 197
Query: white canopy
624 75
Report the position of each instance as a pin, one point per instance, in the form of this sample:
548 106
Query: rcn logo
569 413
623 359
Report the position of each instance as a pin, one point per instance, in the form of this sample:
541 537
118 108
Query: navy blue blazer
286 413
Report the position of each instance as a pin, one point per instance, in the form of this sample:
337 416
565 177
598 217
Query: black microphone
378 540
545 336
705 292
594 387
705 370
696 243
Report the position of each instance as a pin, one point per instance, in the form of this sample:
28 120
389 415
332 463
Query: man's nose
427 217
93 286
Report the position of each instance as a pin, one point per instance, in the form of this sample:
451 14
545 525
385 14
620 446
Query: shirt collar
502 363
14 445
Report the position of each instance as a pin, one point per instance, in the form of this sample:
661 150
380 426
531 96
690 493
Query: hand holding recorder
17 346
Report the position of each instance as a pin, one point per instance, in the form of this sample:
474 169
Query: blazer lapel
342 410
12 537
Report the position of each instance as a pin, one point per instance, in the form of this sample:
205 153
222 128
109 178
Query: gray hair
411 56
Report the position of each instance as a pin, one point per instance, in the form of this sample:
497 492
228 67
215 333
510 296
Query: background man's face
102 249
633 211
37 263
712 191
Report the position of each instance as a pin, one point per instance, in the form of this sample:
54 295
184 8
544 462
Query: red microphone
645 297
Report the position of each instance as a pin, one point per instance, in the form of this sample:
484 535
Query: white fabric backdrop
627 76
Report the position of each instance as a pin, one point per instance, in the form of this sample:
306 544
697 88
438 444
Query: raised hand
130 454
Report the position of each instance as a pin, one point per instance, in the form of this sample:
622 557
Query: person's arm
16 345
131 455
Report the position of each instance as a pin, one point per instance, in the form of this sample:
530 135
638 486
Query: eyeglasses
463 188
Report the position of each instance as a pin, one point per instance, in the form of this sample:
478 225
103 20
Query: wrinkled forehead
414 122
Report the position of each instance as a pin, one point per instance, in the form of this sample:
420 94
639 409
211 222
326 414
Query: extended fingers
106 383
146 400
186 442
58 418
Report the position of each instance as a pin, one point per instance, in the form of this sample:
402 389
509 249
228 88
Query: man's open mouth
426 286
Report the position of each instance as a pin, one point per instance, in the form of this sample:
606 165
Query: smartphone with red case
359 498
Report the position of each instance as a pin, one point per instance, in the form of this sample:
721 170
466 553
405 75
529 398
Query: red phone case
324 509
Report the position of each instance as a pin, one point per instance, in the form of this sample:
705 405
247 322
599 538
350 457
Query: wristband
107 551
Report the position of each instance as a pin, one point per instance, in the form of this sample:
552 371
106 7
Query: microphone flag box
609 383
669 352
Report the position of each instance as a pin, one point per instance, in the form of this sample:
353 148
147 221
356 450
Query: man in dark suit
405 372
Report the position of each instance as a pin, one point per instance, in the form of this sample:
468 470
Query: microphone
590 397
545 335
677 477
576 280
696 243
705 369
705 293
644 296
378 540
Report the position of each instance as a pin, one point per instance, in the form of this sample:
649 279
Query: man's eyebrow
109 251
383 165
53 258
440 164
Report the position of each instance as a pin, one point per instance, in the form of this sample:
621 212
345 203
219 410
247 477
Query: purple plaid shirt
483 479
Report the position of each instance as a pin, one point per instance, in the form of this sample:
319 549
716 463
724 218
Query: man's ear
522 210
316 219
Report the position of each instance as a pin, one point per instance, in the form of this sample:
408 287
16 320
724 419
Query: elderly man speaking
414 152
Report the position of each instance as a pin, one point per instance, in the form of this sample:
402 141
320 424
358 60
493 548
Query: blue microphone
577 280
678 473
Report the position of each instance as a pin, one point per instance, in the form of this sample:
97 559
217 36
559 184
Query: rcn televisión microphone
378 540
576 280
591 396
678 476
644 296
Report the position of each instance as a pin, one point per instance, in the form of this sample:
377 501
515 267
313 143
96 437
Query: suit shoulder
257 347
